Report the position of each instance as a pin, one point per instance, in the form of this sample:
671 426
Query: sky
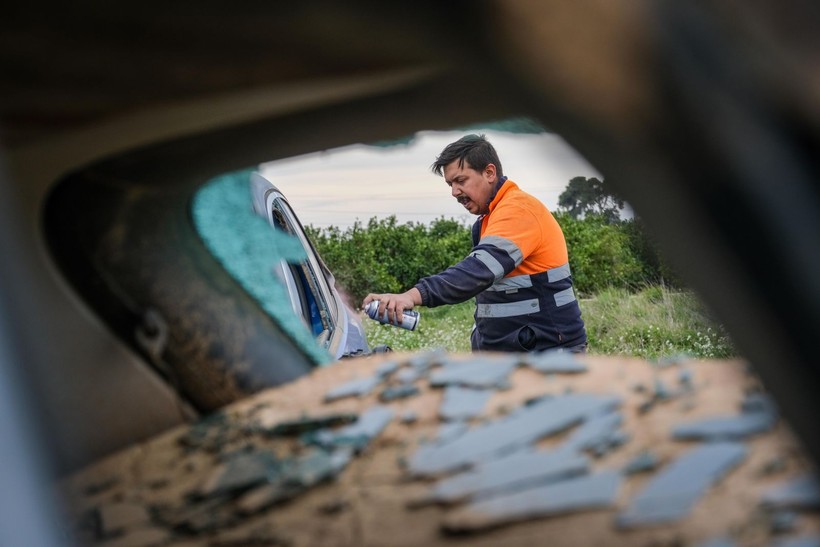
356 182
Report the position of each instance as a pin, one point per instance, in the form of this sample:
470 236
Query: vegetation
632 302
386 256
590 196
601 255
653 323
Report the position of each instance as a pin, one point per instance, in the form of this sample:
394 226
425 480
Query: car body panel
342 333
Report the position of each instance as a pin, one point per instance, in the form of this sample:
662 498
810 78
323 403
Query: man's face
471 188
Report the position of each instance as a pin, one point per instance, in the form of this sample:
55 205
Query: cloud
339 186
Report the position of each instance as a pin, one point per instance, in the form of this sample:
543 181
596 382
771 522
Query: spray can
410 318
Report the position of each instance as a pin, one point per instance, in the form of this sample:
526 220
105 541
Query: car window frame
268 200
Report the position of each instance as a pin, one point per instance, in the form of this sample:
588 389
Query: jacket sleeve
489 261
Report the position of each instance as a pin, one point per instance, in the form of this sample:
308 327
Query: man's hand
394 304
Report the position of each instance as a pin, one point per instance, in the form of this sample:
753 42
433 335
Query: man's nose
455 191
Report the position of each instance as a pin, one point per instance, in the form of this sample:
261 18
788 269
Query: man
518 270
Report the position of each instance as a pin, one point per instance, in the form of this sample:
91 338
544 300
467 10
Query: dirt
367 503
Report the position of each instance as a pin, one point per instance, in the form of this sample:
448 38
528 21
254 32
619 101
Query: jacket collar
500 190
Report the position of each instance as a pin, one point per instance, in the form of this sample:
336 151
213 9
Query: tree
590 196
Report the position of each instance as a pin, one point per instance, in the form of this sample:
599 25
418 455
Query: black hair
476 150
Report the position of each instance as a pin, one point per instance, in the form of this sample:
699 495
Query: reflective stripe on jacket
519 273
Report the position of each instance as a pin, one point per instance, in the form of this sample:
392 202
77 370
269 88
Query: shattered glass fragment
398 392
424 360
596 431
584 493
408 417
554 361
537 399
306 424
240 473
773 466
672 360
782 521
670 495
685 379
480 373
206 433
354 388
294 477
646 406
607 444
799 541
737 427
450 430
802 492
757 402
408 375
662 393
198 517
101 486
386 369
358 435
521 470
510 433
643 462
462 403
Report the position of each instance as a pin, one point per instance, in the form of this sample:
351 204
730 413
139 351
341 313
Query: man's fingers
368 299
391 306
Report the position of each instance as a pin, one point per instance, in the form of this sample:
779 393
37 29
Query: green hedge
385 256
605 254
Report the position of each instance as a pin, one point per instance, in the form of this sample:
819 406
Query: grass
655 323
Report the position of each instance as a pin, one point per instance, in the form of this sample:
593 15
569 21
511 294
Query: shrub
600 254
389 257
655 268
385 256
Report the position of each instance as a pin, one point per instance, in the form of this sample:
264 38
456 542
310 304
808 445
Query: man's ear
490 172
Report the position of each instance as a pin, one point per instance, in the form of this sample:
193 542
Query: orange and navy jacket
518 271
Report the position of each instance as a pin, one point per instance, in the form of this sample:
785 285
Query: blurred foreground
374 452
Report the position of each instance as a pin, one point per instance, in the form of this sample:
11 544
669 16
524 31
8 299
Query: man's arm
492 259
455 284
459 282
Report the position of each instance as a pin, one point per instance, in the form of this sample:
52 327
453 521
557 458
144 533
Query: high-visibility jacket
518 271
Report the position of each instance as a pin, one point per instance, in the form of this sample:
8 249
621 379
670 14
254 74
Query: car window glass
227 219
